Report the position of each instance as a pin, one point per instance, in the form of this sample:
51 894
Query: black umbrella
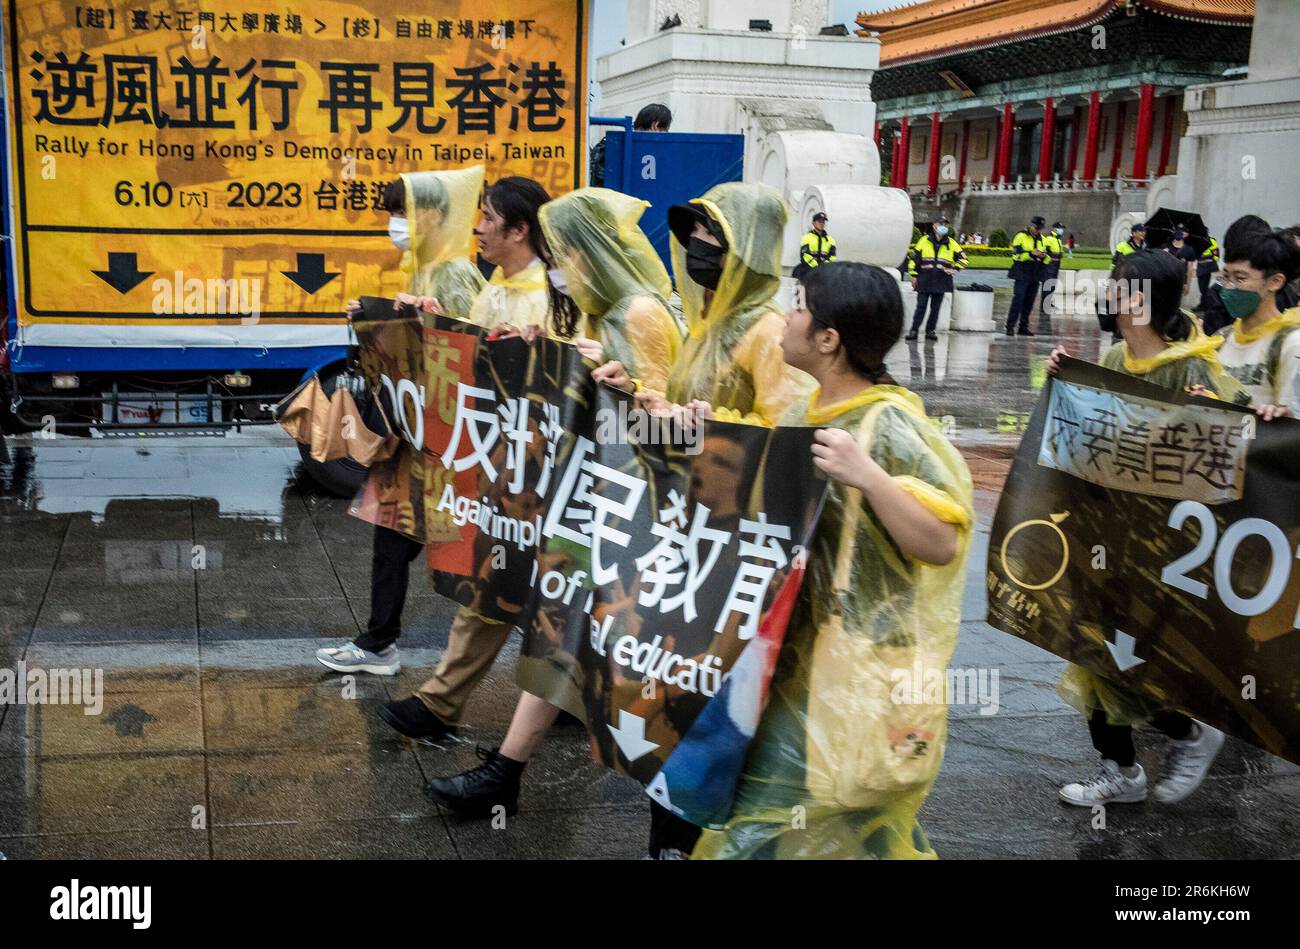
1163 223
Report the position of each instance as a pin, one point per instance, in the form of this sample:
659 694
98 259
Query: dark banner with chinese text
640 558
1152 538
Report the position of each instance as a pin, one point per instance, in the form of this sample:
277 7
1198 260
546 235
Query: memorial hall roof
939 28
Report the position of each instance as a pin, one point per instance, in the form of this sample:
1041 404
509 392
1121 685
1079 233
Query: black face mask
1109 321
704 263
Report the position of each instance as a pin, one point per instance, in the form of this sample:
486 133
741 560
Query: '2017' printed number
1279 570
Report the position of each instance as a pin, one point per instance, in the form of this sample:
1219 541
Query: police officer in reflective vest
1027 256
1207 265
1136 241
934 260
1054 244
818 247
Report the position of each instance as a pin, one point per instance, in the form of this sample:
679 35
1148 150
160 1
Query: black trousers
1022 304
935 302
1203 281
1049 287
390 573
1116 741
670 832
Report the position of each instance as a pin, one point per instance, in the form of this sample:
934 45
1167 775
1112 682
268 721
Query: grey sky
607 25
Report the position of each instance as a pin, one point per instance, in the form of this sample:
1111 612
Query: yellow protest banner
155 144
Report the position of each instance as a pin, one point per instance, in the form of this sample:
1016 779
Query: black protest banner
640 557
1152 538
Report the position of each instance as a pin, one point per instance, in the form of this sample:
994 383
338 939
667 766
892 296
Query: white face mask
1059 231
399 232
941 231
557 280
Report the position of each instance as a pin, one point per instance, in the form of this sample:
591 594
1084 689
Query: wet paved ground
221 737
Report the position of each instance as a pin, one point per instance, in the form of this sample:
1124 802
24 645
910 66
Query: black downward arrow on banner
311 274
122 274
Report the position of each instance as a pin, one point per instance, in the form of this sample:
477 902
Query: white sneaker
352 658
1187 762
1108 786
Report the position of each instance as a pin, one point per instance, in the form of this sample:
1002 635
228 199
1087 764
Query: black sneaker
412 718
932 336
910 337
475 793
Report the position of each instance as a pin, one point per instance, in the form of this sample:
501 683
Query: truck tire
342 477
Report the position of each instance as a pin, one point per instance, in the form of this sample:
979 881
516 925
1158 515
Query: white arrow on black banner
630 735
1122 651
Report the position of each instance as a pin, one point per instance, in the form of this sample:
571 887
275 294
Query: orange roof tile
935 28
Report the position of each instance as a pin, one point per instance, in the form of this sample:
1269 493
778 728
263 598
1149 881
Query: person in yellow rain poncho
607 265
1163 345
1261 347
851 740
727 258
518 298
440 208
431 221
519 295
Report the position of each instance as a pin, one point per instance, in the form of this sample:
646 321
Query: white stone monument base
973 312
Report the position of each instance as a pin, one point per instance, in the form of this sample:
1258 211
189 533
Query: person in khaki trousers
518 295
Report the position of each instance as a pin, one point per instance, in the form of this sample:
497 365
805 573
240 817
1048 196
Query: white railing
1020 186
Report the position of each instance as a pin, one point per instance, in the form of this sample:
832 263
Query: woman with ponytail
1163 345
881 599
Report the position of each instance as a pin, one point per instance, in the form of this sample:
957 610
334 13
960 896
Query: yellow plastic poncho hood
615 277
1196 346
752 218
440 208
1192 361
605 256
733 357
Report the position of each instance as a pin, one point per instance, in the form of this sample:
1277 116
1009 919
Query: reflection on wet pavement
202 574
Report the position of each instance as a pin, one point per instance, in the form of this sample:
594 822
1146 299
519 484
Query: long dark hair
862 303
1162 276
517 200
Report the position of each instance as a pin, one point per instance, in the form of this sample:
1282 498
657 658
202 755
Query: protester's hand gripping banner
242 148
1153 539
640 558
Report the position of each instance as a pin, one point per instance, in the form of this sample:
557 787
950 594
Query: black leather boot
411 718
476 792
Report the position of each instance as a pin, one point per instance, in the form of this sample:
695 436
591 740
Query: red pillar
961 167
893 164
904 150
1117 153
1094 131
932 182
1142 147
1076 126
1004 144
1167 138
1046 150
